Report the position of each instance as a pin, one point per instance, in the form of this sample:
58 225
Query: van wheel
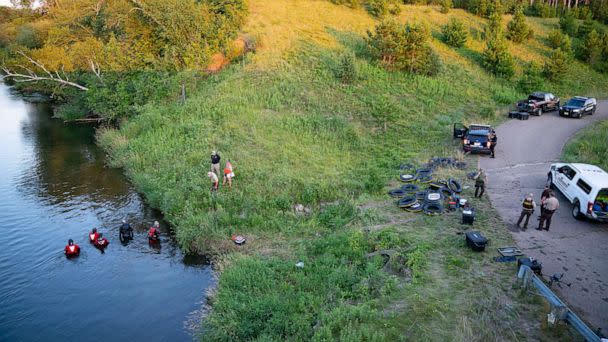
576 210
539 112
592 111
551 185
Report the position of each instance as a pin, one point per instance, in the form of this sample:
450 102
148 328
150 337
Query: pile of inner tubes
430 195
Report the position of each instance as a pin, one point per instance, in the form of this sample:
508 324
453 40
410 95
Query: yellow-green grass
295 134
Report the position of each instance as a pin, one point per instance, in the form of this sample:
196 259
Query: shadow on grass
352 41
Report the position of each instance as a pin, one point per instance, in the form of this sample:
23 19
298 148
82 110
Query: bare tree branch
31 76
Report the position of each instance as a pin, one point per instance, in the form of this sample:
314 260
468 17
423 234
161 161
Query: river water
54 185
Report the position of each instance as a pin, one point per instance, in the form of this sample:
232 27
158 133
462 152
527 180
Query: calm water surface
54 186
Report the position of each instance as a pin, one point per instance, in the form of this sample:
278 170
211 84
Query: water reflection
55 185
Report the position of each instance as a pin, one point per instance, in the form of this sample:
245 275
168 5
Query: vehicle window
536 98
584 186
568 172
575 103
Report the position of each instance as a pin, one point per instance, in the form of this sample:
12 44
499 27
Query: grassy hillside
589 146
295 134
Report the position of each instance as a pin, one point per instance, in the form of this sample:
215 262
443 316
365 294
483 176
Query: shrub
568 24
455 33
349 3
532 78
517 29
446 5
557 64
380 8
347 70
587 26
404 47
28 37
557 39
542 9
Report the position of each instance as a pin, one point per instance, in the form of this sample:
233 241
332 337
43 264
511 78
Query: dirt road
579 249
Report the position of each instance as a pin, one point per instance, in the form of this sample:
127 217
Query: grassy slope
296 135
589 146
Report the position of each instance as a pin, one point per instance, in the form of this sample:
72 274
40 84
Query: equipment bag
476 241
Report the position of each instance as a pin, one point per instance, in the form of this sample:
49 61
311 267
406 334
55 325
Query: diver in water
126 232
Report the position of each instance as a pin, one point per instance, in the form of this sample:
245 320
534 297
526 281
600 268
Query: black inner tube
432 208
407 201
397 193
454 185
424 171
410 188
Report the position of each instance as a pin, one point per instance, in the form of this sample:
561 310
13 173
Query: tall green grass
589 146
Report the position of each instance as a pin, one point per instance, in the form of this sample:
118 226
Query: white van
585 186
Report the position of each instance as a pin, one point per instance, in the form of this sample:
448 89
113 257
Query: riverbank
297 135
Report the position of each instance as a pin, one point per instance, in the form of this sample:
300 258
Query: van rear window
602 195
584 186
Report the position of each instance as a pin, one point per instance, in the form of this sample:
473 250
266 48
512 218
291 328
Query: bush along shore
316 120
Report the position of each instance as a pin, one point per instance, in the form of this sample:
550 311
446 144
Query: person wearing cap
480 182
493 142
215 163
228 174
215 182
125 230
528 206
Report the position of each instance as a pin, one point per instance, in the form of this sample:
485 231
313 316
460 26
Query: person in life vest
528 206
101 242
93 235
154 232
72 249
228 174
125 231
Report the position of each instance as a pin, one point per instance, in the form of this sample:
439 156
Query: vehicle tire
430 208
580 116
539 112
576 210
414 208
593 111
407 178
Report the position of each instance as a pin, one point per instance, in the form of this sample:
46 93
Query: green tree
586 27
496 56
557 39
557 64
404 47
568 24
591 48
347 69
517 29
454 33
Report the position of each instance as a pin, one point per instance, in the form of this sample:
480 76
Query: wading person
215 182
493 141
228 174
93 235
480 183
72 249
549 205
125 230
154 232
215 163
528 206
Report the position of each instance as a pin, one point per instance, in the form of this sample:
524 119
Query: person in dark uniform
528 206
493 141
480 183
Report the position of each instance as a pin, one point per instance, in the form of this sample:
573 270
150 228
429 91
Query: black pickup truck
539 102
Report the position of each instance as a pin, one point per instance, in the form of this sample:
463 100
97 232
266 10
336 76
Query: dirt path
579 249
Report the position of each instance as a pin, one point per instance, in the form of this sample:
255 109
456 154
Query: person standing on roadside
549 205
215 163
493 142
480 182
546 194
528 206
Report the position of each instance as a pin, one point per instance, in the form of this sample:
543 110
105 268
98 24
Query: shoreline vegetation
310 117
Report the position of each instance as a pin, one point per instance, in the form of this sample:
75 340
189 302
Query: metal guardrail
526 273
